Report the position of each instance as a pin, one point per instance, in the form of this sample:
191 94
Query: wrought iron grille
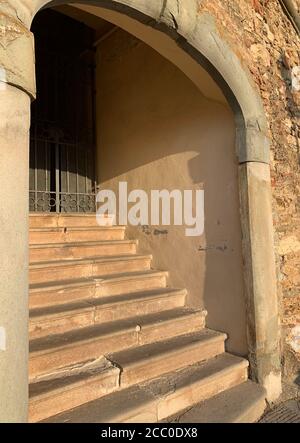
42 201
62 137
61 172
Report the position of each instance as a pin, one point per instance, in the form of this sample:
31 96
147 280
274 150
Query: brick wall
267 43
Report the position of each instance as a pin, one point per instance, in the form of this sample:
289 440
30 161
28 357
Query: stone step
46 220
156 400
53 396
150 361
69 291
71 389
85 268
48 354
244 403
62 318
39 236
69 251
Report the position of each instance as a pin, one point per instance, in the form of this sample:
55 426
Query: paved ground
285 413
287 409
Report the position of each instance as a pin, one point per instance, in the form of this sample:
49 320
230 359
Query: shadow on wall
156 131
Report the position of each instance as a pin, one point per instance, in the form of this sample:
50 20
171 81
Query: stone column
16 89
262 303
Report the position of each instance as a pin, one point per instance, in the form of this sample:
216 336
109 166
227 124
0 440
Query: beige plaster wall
156 131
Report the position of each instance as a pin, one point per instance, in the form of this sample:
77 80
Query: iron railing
45 201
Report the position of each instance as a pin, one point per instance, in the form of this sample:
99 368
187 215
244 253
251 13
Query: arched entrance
206 47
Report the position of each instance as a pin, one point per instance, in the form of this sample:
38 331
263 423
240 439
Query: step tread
121 360
244 403
143 396
88 304
90 260
67 339
154 351
67 229
81 244
70 283
60 383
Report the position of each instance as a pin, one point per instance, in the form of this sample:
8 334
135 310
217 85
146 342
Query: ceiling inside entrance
105 21
100 26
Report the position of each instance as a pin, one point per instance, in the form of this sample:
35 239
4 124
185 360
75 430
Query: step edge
82 244
66 229
130 328
87 261
119 370
221 337
108 372
234 365
174 293
154 400
96 281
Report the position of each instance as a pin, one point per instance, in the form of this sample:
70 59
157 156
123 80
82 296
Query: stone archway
198 36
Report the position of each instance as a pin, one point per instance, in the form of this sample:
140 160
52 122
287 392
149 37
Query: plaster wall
157 131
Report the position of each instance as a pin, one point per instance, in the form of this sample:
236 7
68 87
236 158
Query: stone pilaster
17 87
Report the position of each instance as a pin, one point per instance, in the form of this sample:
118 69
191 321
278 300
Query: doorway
62 136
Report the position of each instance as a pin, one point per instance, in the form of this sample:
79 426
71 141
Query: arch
197 35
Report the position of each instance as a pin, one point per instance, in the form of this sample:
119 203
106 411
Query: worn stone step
244 403
68 291
71 388
150 361
85 268
50 397
39 236
50 353
68 251
158 399
46 220
62 318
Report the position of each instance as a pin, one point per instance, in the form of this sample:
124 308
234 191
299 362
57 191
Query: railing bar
77 180
42 139
86 170
68 171
67 193
57 199
35 168
46 161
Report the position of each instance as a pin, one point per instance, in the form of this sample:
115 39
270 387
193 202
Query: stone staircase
109 340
